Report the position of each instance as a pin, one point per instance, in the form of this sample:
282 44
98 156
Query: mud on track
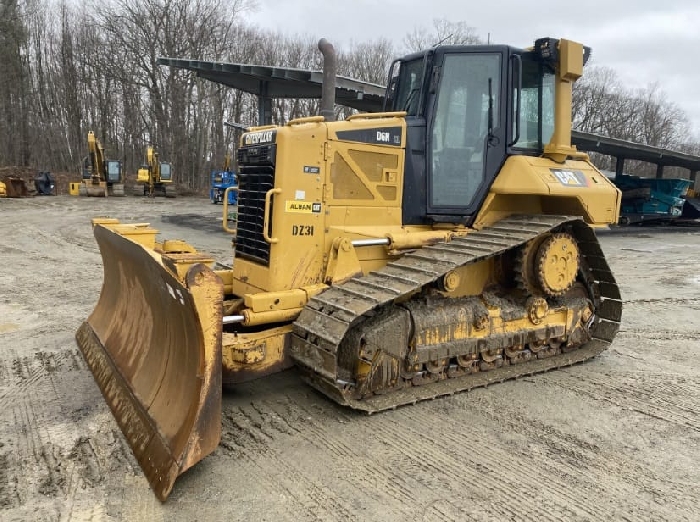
617 438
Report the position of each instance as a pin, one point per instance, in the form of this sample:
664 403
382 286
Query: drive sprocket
548 265
557 262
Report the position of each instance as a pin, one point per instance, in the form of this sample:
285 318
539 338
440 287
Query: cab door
466 131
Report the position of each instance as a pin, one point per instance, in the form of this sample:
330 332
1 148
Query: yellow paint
568 70
141 233
557 263
258 352
283 300
470 279
526 184
343 262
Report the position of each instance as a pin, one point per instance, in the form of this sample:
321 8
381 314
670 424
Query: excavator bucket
153 344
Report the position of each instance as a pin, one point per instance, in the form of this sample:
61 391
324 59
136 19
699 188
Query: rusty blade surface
153 345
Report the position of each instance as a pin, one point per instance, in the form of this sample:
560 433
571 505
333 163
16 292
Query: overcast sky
645 41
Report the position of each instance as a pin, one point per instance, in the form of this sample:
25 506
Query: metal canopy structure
267 82
623 150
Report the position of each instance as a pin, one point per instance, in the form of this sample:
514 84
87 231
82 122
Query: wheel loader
444 244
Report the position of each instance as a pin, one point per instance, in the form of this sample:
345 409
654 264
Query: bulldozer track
329 316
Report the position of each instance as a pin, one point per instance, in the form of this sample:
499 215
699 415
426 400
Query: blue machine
649 199
220 181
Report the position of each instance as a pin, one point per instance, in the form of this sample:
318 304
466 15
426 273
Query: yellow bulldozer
154 177
100 177
444 244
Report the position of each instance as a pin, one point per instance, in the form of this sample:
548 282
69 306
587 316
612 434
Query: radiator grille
256 175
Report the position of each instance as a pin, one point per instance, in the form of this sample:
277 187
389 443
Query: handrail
375 115
225 216
266 217
306 119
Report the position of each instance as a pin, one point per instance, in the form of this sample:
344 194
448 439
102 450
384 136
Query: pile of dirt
63 179
28 174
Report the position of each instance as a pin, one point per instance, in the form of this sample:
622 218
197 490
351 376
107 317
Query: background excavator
445 244
100 176
154 177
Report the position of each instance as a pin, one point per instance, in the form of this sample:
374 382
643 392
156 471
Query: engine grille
256 175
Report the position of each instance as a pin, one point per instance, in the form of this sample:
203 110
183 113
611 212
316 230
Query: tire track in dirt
29 371
46 425
563 456
371 479
659 335
647 395
554 459
513 490
249 434
10 493
404 453
396 447
398 482
626 476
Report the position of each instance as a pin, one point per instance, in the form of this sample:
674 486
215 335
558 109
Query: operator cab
113 168
469 108
165 171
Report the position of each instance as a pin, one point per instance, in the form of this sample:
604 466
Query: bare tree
443 32
67 67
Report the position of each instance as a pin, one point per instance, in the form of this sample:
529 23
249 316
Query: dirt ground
617 438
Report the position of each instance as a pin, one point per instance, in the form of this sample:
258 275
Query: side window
410 80
530 111
458 136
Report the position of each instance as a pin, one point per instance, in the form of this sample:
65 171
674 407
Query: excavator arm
97 158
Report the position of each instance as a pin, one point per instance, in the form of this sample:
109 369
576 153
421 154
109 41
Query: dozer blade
153 344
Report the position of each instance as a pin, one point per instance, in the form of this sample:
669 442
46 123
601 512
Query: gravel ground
616 438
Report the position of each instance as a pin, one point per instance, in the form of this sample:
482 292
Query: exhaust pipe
329 73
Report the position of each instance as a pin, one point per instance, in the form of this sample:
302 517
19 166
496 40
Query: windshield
165 170
537 78
410 80
468 83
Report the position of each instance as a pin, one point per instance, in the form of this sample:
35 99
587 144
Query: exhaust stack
329 73
567 58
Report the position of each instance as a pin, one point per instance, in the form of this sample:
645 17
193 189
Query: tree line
67 67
